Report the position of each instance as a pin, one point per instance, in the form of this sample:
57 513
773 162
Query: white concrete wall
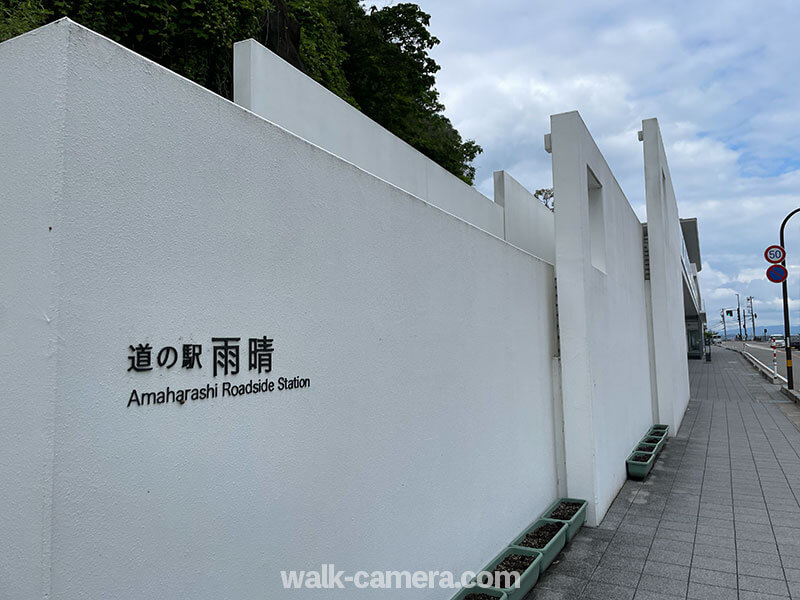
668 367
528 223
32 108
601 315
275 90
425 440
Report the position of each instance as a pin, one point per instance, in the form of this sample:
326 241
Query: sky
723 79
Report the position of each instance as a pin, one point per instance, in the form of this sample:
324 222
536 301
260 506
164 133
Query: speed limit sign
775 254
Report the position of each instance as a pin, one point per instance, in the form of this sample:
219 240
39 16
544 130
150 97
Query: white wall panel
602 317
668 362
275 90
425 440
529 224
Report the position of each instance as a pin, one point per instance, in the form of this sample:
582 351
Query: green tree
322 48
392 78
19 16
376 59
545 196
191 37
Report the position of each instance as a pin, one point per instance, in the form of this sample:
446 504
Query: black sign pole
787 338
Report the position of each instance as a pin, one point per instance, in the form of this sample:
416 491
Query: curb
793 395
763 369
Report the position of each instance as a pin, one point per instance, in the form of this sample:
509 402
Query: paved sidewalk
717 518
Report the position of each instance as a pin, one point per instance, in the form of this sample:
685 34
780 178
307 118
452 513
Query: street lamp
739 316
787 344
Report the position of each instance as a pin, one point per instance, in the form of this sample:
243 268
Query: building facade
248 336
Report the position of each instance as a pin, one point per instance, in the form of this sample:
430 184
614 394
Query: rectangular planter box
464 593
658 441
526 581
573 524
642 447
553 547
660 428
637 469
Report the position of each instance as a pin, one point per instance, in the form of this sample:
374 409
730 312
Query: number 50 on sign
775 254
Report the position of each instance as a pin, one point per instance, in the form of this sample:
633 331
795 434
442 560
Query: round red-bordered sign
777 273
775 254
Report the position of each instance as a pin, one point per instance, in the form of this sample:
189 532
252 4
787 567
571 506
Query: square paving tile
596 590
710 522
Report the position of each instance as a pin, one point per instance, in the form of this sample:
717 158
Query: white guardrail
769 372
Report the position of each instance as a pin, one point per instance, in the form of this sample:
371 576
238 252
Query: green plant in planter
639 464
541 528
570 510
527 579
475 592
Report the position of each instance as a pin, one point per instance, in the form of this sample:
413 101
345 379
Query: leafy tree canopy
545 196
376 59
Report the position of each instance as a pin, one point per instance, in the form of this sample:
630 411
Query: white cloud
712 278
719 293
777 304
751 274
720 80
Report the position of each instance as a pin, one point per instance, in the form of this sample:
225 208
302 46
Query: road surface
763 352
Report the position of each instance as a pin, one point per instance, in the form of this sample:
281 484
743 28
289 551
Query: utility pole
739 315
724 327
752 316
